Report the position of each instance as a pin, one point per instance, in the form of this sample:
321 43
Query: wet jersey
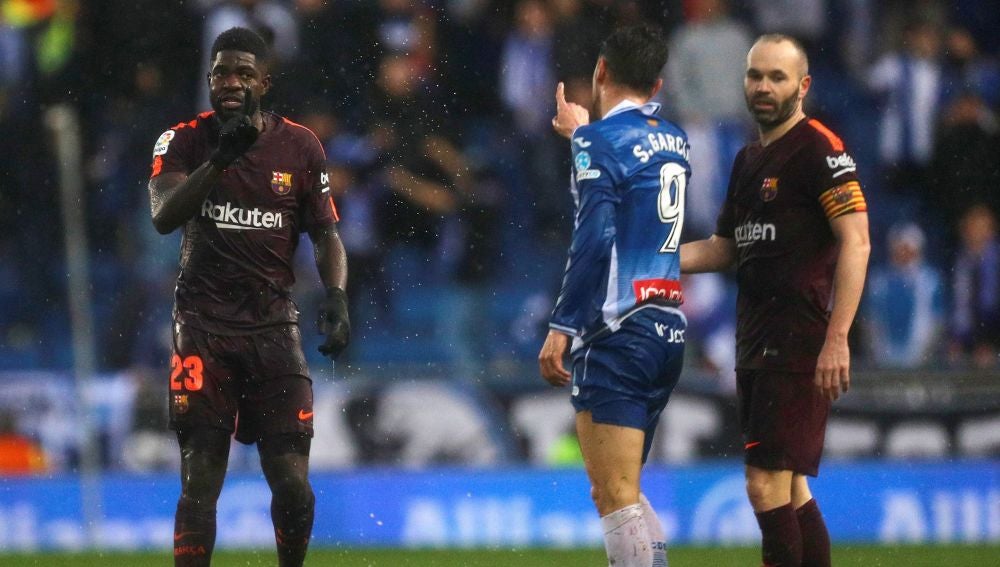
630 174
778 209
237 251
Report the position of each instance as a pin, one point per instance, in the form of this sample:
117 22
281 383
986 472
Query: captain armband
843 199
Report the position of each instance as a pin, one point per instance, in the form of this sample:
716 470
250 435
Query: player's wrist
563 329
836 335
221 160
336 293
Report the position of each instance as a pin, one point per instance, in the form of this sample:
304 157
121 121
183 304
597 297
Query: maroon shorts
250 384
783 420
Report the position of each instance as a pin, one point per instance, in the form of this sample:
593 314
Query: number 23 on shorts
193 379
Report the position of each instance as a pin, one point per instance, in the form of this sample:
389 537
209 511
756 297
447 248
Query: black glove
237 134
334 323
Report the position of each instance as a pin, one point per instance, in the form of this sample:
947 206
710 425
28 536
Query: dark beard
769 120
224 114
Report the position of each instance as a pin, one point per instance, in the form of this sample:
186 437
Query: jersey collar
649 108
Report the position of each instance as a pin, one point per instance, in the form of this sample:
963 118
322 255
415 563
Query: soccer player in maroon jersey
795 224
243 184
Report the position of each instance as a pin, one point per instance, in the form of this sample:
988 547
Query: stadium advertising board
930 502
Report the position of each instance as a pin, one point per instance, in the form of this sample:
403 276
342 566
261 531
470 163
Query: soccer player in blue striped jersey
617 310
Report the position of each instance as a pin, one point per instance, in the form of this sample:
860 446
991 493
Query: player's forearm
710 255
433 196
175 200
849 282
331 258
446 156
589 252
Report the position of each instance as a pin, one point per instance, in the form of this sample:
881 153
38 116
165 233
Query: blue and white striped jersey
630 172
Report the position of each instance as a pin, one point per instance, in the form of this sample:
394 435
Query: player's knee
204 458
201 489
614 494
196 503
757 489
293 490
764 488
287 476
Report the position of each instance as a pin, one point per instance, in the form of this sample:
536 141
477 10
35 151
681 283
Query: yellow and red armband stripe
843 199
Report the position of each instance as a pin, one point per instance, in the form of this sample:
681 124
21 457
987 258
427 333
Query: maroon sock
815 537
194 534
292 528
781 541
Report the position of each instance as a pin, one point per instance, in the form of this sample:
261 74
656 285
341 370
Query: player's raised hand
550 358
250 103
833 369
569 115
237 134
334 322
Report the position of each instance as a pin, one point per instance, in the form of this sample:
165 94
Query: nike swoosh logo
751 445
304 415
177 537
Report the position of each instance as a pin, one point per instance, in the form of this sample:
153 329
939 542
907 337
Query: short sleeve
173 152
319 209
836 184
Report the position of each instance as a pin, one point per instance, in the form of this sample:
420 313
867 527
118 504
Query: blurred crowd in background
453 278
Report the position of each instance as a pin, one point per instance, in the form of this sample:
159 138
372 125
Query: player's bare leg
285 462
204 457
770 494
612 455
815 537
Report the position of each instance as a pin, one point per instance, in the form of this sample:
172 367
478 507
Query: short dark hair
635 56
796 43
240 39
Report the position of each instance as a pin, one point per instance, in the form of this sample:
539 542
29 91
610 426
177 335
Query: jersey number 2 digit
194 379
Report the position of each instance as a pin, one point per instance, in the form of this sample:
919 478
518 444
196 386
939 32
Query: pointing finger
249 103
560 95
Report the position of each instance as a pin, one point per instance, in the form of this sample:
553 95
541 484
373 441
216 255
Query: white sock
657 538
626 538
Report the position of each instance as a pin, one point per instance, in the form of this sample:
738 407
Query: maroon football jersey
236 254
778 207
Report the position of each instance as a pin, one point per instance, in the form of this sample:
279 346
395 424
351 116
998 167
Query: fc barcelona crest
281 183
842 194
769 189
181 404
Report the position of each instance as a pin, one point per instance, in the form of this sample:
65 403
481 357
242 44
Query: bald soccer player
795 225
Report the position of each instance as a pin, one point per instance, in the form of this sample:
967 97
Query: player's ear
804 84
601 71
265 85
656 88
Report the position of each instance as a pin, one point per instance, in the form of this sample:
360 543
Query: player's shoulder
660 124
821 138
590 137
183 133
624 130
823 149
302 134
197 124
